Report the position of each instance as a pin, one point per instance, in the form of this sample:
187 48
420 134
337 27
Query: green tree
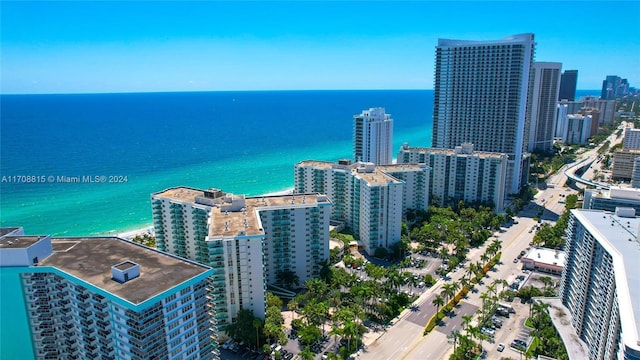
293 305
438 301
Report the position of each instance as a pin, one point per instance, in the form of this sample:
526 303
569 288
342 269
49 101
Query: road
404 339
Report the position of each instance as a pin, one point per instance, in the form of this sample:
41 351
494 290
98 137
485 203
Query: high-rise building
249 242
373 136
599 284
108 298
368 199
460 174
623 164
577 129
568 83
546 85
589 105
631 139
613 87
482 95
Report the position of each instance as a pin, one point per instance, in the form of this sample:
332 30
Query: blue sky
118 46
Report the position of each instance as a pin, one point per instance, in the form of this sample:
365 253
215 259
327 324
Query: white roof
547 256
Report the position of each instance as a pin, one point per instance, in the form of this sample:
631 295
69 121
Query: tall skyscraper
568 83
613 87
373 136
599 284
108 298
546 85
482 96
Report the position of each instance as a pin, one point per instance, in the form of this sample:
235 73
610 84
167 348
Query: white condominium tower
461 174
373 136
108 298
481 94
249 242
600 283
546 86
368 199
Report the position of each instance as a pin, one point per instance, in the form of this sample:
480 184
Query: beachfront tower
481 96
373 136
370 200
546 85
107 298
250 242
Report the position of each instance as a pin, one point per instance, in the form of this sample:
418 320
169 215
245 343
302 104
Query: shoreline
149 230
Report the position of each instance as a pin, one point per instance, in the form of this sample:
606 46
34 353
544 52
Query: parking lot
511 330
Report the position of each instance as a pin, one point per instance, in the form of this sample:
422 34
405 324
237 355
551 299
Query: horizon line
210 91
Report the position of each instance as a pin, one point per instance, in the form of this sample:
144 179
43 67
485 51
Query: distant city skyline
89 47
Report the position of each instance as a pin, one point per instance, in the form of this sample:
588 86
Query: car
488 331
289 356
522 252
500 347
227 344
515 260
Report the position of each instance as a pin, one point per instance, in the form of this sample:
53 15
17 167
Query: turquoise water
241 142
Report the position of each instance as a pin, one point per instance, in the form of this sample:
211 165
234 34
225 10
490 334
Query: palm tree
473 331
454 336
466 320
293 306
448 291
350 330
438 301
256 325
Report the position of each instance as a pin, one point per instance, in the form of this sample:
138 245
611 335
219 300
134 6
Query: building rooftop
528 37
243 219
619 236
9 230
91 258
547 256
20 241
481 154
615 192
401 167
180 193
376 177
372 174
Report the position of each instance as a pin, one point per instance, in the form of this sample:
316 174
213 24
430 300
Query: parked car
500 347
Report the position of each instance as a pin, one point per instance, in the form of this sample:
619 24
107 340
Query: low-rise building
544 260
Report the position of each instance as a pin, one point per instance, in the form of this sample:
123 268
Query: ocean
87 164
